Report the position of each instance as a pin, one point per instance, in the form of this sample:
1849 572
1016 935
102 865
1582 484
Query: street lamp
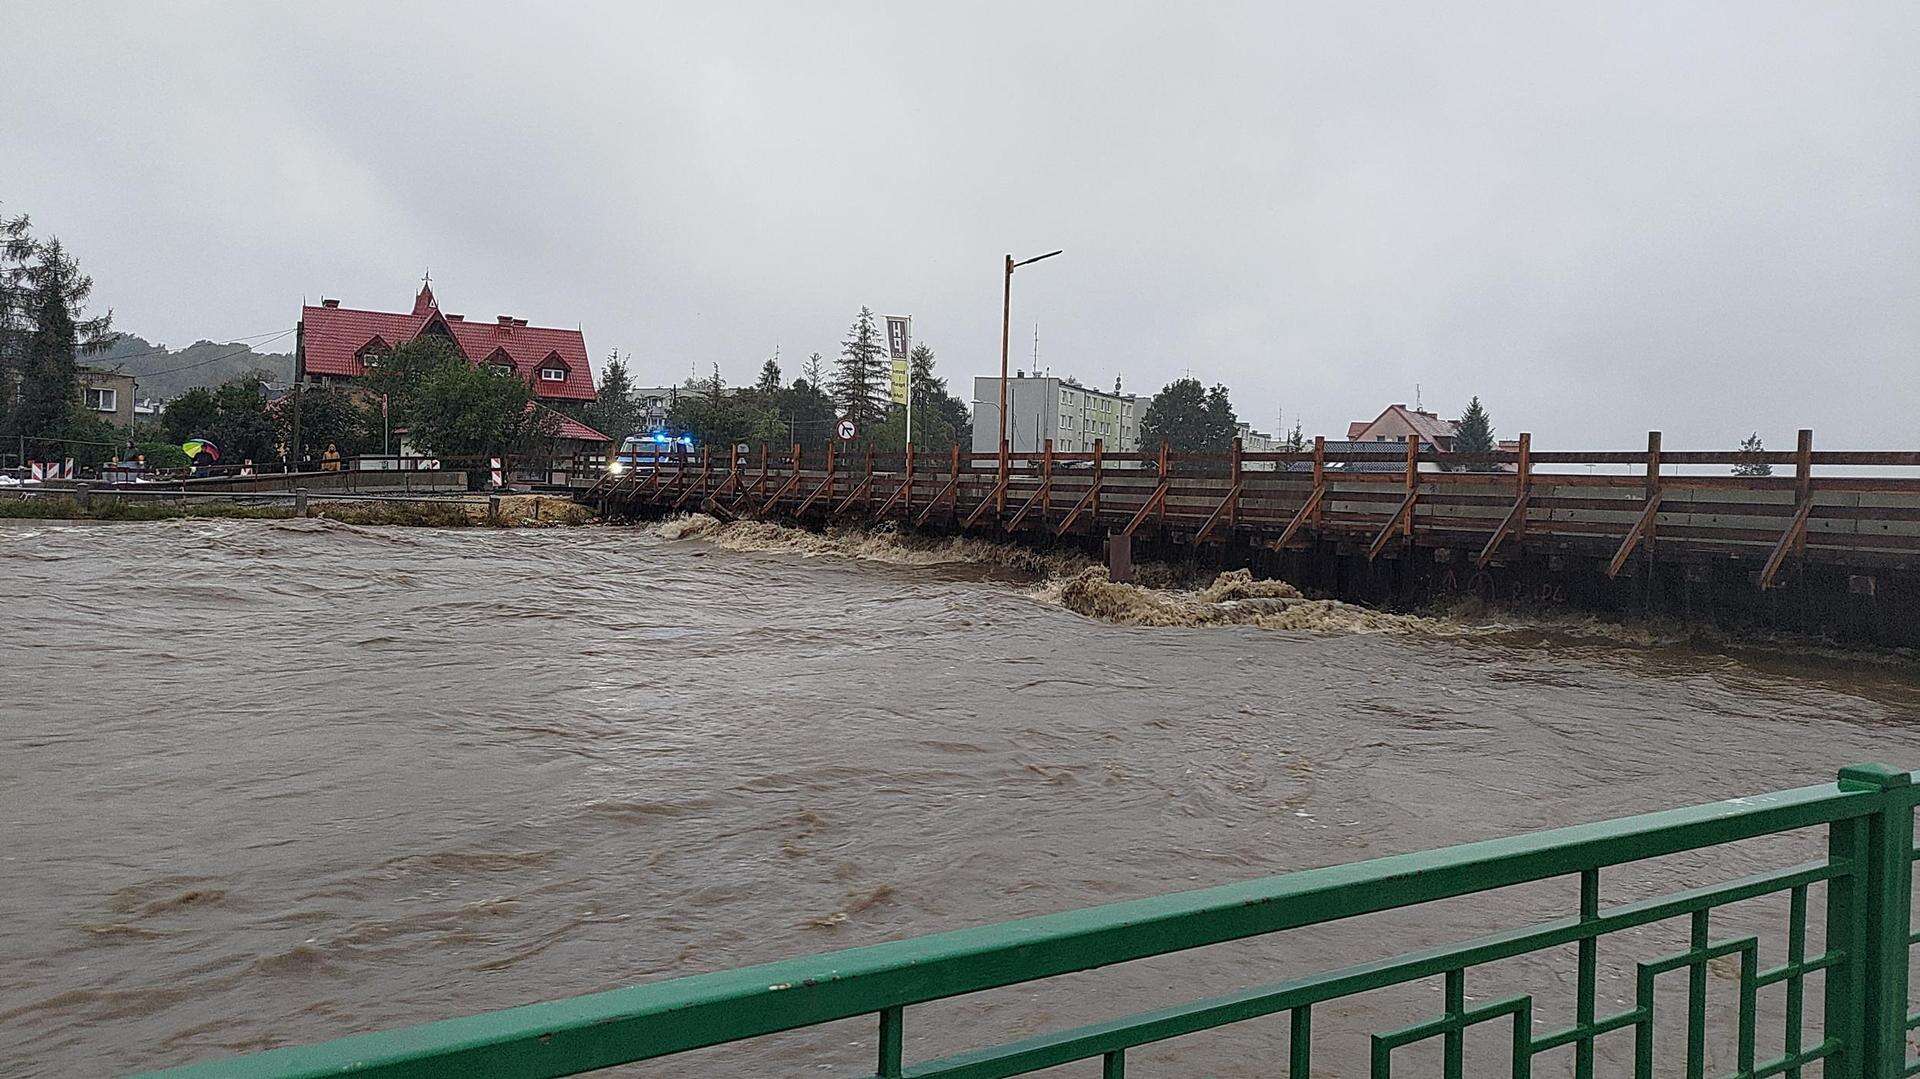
1006 320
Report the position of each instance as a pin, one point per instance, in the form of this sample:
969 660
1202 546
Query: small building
1398 423
1061 409
334 343
107 394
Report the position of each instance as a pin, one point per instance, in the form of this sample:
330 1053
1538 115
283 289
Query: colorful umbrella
194 447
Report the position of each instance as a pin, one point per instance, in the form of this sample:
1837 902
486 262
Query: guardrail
1866 879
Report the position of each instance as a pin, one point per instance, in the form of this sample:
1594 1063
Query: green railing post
1882 918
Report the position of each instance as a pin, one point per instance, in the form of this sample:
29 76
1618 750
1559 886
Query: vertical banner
899 333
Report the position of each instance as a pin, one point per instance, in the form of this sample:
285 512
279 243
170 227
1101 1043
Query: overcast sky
1601 218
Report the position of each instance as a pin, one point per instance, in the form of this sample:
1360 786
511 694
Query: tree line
44 329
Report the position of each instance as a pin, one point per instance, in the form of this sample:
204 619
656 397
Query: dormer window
553 374
500 363
373 352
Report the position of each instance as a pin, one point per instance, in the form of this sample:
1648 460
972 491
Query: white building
1038 408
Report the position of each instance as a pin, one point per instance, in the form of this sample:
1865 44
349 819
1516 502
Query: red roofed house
334 343
1398 422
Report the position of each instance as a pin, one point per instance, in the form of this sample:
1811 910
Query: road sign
847 430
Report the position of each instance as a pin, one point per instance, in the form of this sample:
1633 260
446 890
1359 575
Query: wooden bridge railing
1383 502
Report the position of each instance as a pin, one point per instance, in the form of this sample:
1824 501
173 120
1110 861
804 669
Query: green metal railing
1866 879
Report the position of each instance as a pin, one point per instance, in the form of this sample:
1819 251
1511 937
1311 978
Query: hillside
166 373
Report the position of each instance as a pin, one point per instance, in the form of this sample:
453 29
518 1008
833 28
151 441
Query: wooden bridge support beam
1794 539
1516 523
1643 529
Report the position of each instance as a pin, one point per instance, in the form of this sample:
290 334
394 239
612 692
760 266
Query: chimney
456 318
505 321
329 303
519 322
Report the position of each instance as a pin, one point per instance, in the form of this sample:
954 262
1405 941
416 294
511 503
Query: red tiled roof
570 427
333 337
1429 427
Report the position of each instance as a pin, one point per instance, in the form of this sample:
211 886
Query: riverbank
514 511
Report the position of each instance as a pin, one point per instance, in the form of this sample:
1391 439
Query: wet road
271 782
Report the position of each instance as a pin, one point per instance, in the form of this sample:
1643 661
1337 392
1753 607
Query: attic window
500 362
373 352
553 374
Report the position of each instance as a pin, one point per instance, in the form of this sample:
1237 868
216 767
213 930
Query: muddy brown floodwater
272 782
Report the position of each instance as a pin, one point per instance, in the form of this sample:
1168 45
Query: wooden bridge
1583 518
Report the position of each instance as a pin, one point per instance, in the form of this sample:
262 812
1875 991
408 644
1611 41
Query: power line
213 359
164 349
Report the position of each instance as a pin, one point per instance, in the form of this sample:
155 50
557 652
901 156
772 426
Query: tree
1189 419
769 383
939 418
235 417
807 413
47 329
333 415
450 408
614 412
1295 442
815 372
860 381
1752 462
1474 432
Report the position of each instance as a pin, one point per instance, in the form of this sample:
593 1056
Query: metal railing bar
1081 1043
657 1019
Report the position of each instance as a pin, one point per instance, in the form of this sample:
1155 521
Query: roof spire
424 302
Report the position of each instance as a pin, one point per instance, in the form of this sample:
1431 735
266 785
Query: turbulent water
271 782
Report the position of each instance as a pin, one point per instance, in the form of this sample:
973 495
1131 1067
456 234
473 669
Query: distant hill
167 373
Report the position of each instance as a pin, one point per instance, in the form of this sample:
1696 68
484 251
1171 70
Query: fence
1865 879
1383 500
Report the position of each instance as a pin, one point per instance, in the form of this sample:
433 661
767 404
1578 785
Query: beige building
107 394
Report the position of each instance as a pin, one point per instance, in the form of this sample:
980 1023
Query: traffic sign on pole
847 430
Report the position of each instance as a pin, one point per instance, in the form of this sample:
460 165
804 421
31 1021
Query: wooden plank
1226 510
1034 499
854 495
1309 511
948 491
1790 540
1156 501
996 497
1380 541
1079 507
1641 528
1509 527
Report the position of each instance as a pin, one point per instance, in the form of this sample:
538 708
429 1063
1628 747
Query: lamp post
1006 321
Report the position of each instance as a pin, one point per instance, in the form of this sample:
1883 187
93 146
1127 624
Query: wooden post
867 503
1523 483
1413 481
1093 507
1046 480
1164 480
1000 488
1233 511
1319 476
955 478
832 449
1803 466
1652 487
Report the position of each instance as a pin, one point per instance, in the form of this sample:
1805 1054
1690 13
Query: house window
102 400
552 374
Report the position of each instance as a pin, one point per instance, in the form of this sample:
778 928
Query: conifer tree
860 384
613 412
815 372
1474 433
1752 463
769 379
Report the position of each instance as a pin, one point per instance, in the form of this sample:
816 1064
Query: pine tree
860 385
815 372
769 379
49 388
1296 440
1752 463
16 247
1474 432
614 412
